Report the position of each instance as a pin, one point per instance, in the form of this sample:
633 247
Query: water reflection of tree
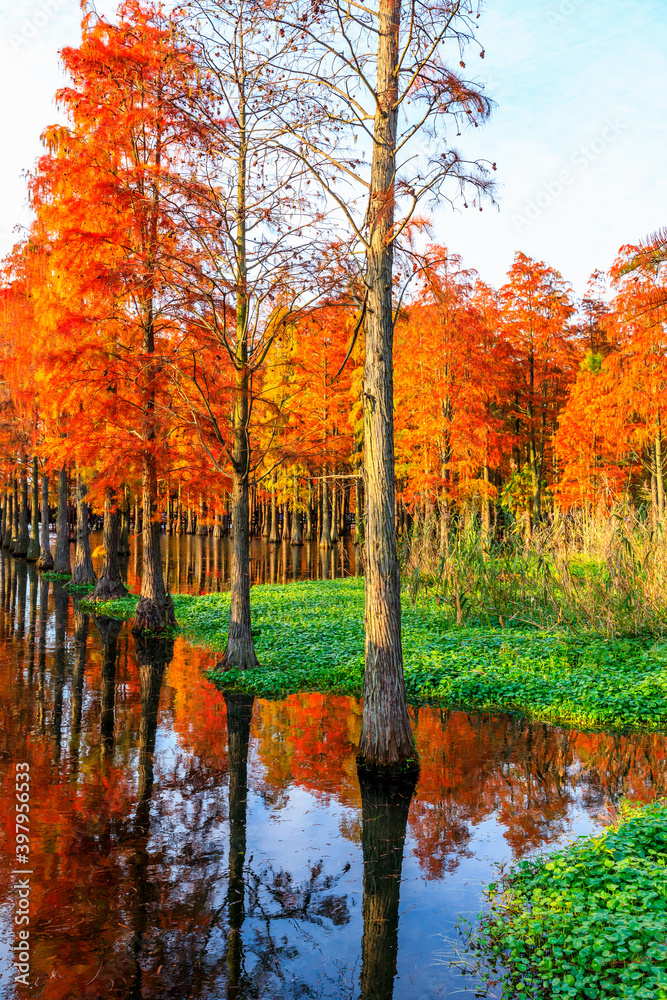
109 630
384 810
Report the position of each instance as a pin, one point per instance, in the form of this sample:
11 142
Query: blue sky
578 133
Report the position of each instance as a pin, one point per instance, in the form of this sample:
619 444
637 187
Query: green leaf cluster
589 921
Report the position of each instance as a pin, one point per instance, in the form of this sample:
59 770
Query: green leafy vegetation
589 921
310 636
56 577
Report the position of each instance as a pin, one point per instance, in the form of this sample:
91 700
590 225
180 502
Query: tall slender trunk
34 546
386 743
273 533
23 536
334 513
325 533
15 514
202 526
110 584
7 517
83 573
155 610
240 650
359 534
309 535
124 538
45 560
61 561
297 536
285 533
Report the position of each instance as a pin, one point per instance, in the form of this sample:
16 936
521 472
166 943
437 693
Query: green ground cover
588 921
309 636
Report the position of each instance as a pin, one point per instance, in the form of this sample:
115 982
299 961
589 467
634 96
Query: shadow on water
186 842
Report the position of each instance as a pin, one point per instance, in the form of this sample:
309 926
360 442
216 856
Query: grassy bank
309 636
589 921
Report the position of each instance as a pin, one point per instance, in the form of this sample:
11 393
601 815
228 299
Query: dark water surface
196 564
188 844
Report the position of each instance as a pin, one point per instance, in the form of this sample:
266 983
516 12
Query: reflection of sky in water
492 788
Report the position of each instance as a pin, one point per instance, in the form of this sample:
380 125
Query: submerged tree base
152 616
109 590
238 656
45 562
397 772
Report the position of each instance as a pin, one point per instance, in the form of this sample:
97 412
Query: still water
184 843
195 564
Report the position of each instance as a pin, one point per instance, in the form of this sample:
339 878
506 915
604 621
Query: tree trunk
83 574
240 650
359 534
34 546
61 562
325 534
7 519
309 512
124 538
273 534
23 536
384 816
45 560
334 513
190 528
15 514
285 533
110 585
297 535
386 743
137 517
155 610
202 526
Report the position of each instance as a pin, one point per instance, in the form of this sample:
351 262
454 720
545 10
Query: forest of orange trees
333 567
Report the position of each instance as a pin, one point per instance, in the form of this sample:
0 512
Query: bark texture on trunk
110 585
155 610
23 535
240 650
273 534
384 816
83 573
309 535
7 520
15 514
297 534
359 533
45 560
34 546
124 539
61 561
325 534
334 513
386 743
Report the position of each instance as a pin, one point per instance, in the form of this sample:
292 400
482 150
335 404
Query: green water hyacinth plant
588 922
309 636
